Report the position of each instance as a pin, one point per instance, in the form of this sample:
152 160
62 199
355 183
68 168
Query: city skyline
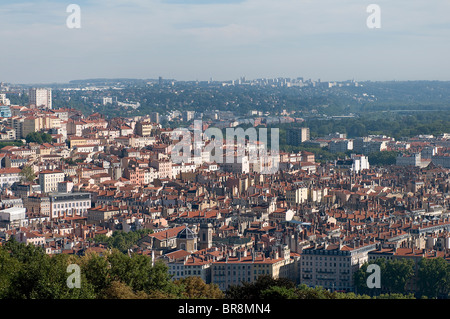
223 40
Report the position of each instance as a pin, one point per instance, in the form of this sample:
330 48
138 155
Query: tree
39 276
121 240
132 270
120 290
277 293
9 267
27 174
159 279
305 292
195 288
37 137
361 275
397 274
96 270
383 158
254 290
433 277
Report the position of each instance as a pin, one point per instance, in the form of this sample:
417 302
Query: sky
224 40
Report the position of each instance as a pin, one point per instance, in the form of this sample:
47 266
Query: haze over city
223 40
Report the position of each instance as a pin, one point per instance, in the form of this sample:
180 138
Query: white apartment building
41 97
9 176
188 266
4 100
409 159
150 174
295 196
360 162
69 204
12 217
340 146
49 180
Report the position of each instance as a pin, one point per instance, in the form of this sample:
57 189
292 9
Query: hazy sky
224 39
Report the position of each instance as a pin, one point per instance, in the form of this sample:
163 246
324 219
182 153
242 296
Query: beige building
38 204
332 266
144 128
296 196
164 168
49 180
248 266
101 214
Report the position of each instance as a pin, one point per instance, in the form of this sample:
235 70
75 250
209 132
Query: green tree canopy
27 173
434 277
38 137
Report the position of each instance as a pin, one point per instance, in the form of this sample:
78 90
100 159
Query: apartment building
332 265
164 168
38 204
101 214
296 195
144 128
296 136
41 98
181 264
409 159
12 217
49 180
69 204
340 145
249 265
9 176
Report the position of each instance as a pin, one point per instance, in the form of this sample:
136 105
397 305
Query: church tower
205 236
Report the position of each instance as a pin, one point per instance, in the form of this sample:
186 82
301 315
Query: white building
295 196
409 160
181 264
340 146
41 97
49 180
150 174
332 266
69 204
360 162
9 176
4 100
12 217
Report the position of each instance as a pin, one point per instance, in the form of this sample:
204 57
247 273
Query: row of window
239 273
242 266
187 273
71 205
310 263
320 258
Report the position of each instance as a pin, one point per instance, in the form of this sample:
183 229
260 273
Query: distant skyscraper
41 98
296 136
